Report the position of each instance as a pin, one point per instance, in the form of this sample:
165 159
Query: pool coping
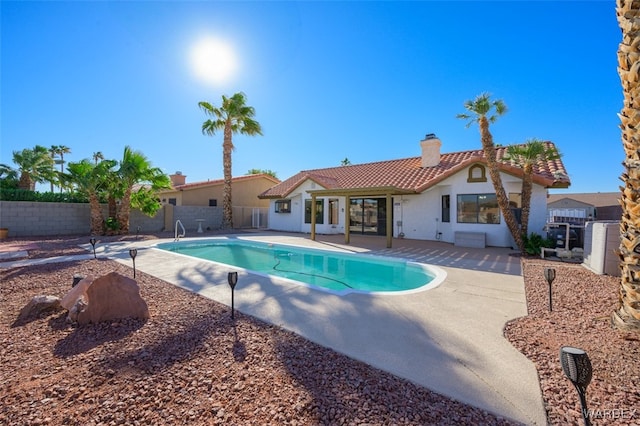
438 274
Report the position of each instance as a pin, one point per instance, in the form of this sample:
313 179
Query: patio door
368 216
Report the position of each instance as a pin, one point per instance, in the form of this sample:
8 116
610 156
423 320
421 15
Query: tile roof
217 182
408 175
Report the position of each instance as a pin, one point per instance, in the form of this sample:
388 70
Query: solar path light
232 278
93 244
133 253
550 275
577 367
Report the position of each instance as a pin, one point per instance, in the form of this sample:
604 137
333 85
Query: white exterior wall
288 222
421 213
294 221
538 213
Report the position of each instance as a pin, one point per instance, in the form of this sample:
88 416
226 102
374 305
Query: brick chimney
430 150
178 179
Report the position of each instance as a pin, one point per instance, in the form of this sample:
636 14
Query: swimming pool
332 271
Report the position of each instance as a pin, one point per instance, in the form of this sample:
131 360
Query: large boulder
109 297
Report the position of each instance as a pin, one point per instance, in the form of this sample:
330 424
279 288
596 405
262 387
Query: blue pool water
329 270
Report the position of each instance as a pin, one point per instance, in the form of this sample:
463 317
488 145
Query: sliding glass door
368 216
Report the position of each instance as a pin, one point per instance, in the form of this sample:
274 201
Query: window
283 206
477 173
213 203
478 208
333 211
515 204
172 201
446 208
319 211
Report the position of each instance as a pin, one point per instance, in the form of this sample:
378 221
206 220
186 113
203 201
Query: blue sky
328 80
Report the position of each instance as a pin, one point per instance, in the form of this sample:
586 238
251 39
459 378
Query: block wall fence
28 219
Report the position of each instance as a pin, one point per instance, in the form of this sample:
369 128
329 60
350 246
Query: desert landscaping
190 363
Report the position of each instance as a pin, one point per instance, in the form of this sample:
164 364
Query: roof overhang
360 192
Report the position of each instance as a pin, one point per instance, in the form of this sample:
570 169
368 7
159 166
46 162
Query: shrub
534 242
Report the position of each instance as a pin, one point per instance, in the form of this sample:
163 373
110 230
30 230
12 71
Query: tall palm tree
627 316
234 116
61 150
527 156
34 166
97 156
53 150
483 110
137 186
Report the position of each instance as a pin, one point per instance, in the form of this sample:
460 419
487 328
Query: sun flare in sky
213 60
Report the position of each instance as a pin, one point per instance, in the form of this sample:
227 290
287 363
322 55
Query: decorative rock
39 304
79 306
110 297
79 290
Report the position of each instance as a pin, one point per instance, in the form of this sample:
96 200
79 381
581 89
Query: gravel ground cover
191 364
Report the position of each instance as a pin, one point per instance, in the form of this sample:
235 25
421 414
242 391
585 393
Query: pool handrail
176 236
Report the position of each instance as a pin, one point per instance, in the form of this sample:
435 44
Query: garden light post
93 244
550 275
232 278
577 367
133 253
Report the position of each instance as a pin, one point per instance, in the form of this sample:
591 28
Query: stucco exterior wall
421 214
244 193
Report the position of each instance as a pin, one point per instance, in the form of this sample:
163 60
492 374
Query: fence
27 218
572 216
251 217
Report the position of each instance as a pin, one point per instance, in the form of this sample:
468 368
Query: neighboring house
248 209
445 197
580 208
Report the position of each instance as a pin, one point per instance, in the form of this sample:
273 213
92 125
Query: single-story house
248 210
445 197
209 193
578 208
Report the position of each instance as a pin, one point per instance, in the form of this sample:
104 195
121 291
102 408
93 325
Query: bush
534 242
10 194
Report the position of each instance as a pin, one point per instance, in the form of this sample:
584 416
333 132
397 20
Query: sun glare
213 61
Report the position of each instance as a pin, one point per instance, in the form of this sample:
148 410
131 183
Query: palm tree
97 156
627 316
8 177
61 150
527 156
91 179
232 117
34 166
483 110
53 150
136 171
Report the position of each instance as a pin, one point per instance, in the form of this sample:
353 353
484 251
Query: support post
347 220
313 217
389 221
